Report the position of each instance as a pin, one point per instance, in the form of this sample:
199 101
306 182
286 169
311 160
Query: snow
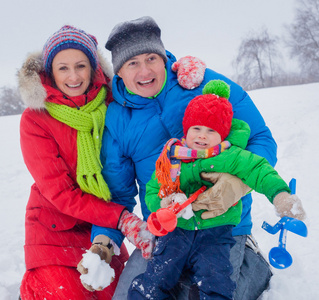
100 274
292 113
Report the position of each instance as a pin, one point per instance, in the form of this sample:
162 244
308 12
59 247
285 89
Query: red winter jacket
58 214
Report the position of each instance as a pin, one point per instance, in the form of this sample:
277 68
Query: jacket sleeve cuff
113 234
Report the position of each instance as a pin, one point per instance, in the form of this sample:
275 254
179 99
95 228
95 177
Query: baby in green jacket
214 142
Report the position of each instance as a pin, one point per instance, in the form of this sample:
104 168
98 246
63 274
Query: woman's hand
137 233
190 71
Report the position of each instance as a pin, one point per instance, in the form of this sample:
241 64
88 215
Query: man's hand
226 192
104 249
190 71
289 205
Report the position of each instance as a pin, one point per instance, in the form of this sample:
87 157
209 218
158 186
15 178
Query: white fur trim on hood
31 89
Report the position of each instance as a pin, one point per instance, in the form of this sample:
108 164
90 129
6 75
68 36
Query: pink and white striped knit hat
69 37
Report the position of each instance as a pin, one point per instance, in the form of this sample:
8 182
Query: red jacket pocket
55 220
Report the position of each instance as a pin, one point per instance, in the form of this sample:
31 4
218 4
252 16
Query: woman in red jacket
66 90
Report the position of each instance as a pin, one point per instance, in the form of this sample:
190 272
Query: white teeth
74 86
147 81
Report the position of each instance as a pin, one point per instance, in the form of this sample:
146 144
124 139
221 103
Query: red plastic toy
164 220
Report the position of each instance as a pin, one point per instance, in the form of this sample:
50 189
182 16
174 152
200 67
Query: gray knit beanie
132 38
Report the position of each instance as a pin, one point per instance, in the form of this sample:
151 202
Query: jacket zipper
159 112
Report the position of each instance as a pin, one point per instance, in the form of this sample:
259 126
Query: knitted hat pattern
132 38
212 109
69 37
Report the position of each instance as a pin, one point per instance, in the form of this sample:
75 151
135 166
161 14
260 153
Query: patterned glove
226 192
105 250
289 205
190 71
137 233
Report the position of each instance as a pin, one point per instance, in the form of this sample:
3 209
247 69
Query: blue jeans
203 253
251 272
137 265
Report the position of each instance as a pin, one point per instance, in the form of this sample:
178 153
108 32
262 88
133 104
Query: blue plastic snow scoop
279 257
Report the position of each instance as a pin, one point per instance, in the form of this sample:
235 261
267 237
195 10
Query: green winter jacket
253 170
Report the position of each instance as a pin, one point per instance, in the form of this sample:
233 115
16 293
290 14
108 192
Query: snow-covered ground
292 113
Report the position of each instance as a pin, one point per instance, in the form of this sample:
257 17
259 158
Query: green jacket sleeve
252 169
152 201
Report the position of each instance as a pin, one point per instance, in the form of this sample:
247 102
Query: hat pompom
217 87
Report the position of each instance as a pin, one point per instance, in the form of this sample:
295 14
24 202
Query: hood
239 133
32 91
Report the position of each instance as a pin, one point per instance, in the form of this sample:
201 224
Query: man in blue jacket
148 110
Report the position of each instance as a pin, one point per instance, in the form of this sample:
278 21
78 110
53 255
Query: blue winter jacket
137 129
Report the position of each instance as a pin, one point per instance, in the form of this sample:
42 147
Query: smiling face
71 70
202 137
144 74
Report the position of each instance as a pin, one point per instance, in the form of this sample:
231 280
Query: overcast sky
209 29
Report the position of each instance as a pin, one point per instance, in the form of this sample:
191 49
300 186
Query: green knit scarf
89 123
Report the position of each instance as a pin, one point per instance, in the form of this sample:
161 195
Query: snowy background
292 113
211 30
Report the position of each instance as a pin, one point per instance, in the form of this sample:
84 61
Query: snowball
99 274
